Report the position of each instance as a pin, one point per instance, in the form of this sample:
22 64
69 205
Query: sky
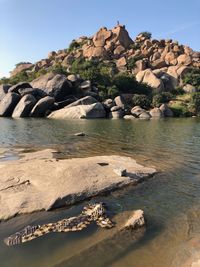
29 29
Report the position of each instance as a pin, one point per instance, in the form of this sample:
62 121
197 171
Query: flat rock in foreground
40 182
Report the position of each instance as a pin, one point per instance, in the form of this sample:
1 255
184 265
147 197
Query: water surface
171 200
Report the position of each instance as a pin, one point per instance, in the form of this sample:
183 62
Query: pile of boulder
58 96
42 96
159 63
88 108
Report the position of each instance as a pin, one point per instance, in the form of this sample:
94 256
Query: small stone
136 220
79 134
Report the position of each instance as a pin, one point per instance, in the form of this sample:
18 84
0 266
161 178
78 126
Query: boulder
8 104
73 78
120 36
87 100
120 101
42 106
15 88
119 50
95 110
24 106
36 92
108 103
54 85
52 54
148 77
86 85
144 115
40 182
101 36
188 88
136 220
4 90
129 117
184 60
156 113
115 108
166 111
121 62
136 111
158 64
116 114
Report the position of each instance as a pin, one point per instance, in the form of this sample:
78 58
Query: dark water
170 200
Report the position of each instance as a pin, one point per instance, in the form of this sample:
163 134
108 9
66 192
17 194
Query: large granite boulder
87 100
24 106
95 110
120 101
4 90
54 85
36 92
156 113
8 104
101 36
42 106
166 111
15 88
148 77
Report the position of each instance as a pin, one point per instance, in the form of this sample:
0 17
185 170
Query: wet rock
166 111
120 101
42 106
70 181
156 113
24 106
116 114
136 111
136 220
129 117
8 104
145 115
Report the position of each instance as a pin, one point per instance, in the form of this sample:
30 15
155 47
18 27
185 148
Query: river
170 200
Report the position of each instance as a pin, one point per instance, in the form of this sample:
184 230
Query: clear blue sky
29 29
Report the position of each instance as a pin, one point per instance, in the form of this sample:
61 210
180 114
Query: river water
170 200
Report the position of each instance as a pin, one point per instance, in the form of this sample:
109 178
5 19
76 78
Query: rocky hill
110 68
159 63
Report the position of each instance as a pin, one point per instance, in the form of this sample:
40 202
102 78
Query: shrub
58 69
161 98
74 45
195 102
112 91
146 34
193 78
131 63
180 109
142 101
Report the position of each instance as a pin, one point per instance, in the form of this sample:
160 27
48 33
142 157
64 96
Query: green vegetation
21 63
161 98
193 78
141 100
195 103
74 45
146 34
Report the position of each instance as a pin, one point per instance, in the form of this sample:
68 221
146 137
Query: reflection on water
170 200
